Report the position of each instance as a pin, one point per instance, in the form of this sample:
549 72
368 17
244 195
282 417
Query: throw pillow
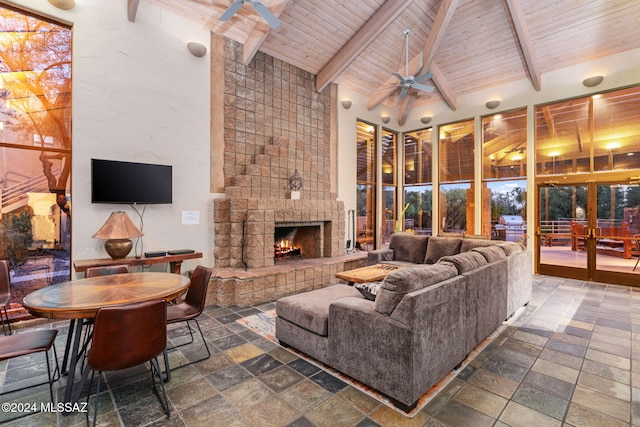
441 246
409 247
368 290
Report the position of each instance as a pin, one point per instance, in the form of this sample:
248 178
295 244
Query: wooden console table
175 261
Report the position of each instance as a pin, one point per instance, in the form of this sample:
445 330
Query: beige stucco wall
139 95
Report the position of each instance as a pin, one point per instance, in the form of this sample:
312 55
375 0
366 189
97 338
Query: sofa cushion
465 261
491 253
468 244
408 247
511 247
310 310
368 290
441 246
404 280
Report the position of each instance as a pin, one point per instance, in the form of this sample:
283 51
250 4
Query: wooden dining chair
26 343
637 236
88 323
188 310
5 294
126 336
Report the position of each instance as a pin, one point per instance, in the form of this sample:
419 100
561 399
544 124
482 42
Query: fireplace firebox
297 241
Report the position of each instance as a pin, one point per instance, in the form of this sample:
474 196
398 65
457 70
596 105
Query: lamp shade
118 226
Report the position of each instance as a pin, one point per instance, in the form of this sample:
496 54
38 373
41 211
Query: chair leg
155 372
194 361
167 369
636 266
5 320
95 410
56 372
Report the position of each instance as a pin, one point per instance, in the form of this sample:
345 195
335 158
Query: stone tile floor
572 358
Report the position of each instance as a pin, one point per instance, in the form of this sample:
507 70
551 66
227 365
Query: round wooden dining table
81 299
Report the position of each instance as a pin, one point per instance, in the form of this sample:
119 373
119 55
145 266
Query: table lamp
118 232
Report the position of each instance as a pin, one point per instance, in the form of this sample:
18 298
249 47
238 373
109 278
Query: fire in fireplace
285 249
297 242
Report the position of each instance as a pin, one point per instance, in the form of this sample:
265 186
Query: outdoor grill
511 227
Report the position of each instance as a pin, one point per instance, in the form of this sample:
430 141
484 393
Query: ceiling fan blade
266 14
404 91
423 88
231 10
399 77
424 77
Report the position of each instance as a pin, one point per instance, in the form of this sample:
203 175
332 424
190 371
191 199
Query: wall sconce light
197 49
346 104
385 119
425 119
492 104
63 4
593 81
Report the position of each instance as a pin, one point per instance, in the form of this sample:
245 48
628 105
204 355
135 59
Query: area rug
263 323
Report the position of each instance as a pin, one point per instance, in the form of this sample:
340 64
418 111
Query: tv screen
127 182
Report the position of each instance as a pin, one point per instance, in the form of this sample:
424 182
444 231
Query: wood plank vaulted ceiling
468 45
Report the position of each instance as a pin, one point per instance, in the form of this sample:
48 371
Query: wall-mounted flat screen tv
130 183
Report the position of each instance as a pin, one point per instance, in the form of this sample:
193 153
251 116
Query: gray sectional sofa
426 317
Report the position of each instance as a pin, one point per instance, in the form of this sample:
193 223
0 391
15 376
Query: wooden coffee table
370 273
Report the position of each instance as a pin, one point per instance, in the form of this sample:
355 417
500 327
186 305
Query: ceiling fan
262 10
409 81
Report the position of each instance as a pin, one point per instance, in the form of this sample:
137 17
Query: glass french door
589 231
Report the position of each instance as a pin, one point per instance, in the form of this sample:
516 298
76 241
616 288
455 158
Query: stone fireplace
276 125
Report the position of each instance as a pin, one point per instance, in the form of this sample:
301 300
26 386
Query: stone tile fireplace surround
245 225
275 123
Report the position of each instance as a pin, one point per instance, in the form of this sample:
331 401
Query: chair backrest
197 294
128 335
5 283
105 271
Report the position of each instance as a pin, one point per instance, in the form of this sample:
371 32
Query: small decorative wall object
346 104
425 120
295 184
492 104
385 119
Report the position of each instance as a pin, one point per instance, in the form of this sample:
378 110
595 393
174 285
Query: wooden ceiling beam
436 35
522 33
132 9
440 24
380 20
443 88
405 107
259 34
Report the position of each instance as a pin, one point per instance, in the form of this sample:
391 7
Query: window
456 143
418 186
35 149
598 133
389 187
366 185
504 172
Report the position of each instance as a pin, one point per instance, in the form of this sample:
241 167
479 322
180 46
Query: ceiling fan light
197 49
385 119
492 104
425 120
346 104
593 81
